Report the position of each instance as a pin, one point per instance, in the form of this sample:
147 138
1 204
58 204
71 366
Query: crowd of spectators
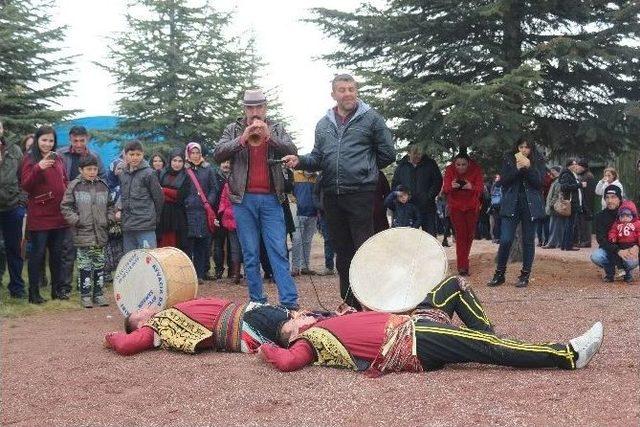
253 204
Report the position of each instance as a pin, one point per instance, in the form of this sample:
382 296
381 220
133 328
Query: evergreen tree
181 79
481 73
32 67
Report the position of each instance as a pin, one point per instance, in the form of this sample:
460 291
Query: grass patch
13 307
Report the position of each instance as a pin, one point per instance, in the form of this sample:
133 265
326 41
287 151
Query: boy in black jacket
405 214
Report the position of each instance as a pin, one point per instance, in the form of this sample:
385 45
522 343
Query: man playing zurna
378 342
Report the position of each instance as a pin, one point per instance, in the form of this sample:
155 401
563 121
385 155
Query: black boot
498 278
34 294
523 279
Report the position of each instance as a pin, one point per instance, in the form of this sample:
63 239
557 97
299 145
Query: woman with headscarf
199 236
521 178
463 185
173 219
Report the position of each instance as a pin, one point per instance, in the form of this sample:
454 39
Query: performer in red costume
382 342
191 326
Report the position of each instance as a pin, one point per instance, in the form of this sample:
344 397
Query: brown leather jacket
229 147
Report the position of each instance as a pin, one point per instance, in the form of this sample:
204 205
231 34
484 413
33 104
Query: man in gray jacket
352 144
254 145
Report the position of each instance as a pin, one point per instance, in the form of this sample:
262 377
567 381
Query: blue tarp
106 150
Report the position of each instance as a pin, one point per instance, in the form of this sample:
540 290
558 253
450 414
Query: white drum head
143 278
394 270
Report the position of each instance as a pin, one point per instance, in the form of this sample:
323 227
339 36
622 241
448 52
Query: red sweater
625 234
258 180
204 311
361 333
459 199
46 189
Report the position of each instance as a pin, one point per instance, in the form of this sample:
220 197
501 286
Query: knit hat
615 190
191 146
624 211
267 322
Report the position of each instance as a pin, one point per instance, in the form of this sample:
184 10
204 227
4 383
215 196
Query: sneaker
327 272
307 271
628 277
621 274
587 344
86 302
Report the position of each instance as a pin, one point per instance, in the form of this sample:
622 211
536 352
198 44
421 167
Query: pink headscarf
191 146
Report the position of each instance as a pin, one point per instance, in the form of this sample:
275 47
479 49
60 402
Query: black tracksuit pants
350 223
438 343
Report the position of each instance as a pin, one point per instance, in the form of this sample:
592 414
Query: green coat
10 192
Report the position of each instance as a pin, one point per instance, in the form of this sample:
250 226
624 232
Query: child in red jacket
625 232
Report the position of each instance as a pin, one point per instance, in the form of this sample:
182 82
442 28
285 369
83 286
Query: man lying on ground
195 325
427 340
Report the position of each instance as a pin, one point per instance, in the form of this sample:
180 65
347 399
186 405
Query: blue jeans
11 224
329 254
261 215
138 240
608 261
507 233
301 252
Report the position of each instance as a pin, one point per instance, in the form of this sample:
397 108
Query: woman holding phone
44 180
521 178
463 185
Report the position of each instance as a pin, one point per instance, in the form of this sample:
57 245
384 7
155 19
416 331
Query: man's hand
107 343
291 161
455 185
262 128
118 215
584 184
633 250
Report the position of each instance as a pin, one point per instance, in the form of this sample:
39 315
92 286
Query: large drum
394 270
154 278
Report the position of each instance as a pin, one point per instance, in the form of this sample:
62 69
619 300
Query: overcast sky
287 45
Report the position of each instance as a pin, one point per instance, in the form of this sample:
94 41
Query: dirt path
55 371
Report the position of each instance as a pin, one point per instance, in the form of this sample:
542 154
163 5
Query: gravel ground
56 373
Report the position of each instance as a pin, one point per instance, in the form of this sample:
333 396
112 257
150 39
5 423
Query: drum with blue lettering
154 278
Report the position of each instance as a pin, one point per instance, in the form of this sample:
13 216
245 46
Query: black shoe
628 277
445 243
36 299
219 274
498 279
463 273
523 279
209 277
